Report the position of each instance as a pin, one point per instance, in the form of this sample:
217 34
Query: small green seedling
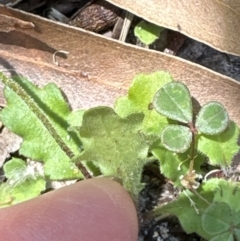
174 101
147 32
154 121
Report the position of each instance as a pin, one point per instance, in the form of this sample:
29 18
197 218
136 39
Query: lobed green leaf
39 116
139 99
174 165
228 192
116 145
189 208
220 148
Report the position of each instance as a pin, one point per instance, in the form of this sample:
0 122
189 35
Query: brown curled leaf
9 23
215 23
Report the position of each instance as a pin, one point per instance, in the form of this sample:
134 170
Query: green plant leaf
28 189
174 101
237 233
186 209
23 183
75 118
139 99
174 165
220 148
17 170
116 145
39 116
176 138
212 118
228 192
147 32
223 237
219 220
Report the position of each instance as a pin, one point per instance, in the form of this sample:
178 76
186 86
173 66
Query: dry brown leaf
97 69
214 22
8 23
9 142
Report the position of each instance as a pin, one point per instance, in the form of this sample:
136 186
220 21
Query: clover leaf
174 101
221 222
176 138
212 118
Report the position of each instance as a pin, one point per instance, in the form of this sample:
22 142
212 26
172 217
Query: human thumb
90 210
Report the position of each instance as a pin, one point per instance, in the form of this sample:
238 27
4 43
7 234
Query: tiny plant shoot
155 121
147 32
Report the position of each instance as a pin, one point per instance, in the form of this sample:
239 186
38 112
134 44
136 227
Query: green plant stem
84 171
157 215
19 90
191 164
200 196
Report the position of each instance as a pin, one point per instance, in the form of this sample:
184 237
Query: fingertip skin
92 210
